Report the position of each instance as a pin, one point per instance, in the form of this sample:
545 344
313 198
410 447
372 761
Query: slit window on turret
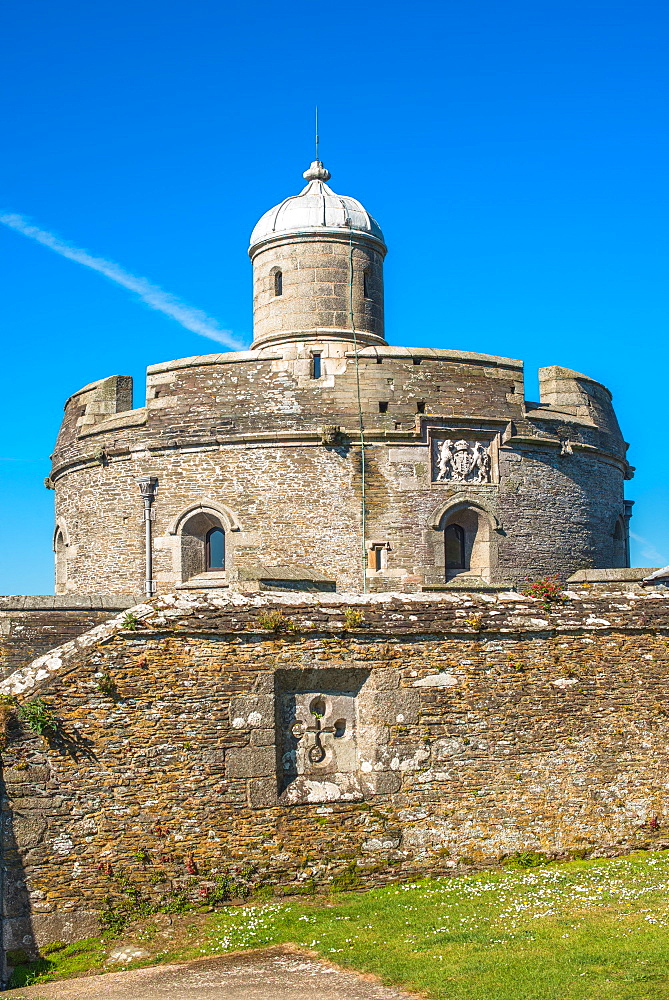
278 283
365 284
316 370
454 541
215 549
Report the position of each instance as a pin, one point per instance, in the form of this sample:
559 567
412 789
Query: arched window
365 284
61 562
215 549
620 554
278 283
454 542
203 547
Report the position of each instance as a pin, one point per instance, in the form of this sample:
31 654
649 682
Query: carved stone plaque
318 758
460 461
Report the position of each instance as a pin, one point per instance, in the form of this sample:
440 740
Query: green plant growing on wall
7 713
38 716
130 622
107 685
347 879
353 617
528 859
275 621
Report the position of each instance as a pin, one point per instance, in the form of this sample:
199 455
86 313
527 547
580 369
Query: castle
409 715
325 459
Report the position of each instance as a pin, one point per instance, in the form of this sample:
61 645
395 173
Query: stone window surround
228 521
464 500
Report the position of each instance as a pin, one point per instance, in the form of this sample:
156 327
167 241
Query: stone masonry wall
242 434
453 730
316 287
31 626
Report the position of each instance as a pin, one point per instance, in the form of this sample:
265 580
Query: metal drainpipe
147 487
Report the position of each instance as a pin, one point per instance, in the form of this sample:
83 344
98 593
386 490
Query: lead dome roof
316 207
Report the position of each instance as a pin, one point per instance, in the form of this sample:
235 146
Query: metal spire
317 139
317 172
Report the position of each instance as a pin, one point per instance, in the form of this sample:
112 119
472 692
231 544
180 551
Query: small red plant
547 589
191 867
654 823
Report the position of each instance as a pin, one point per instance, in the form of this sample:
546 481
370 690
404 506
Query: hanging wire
363 494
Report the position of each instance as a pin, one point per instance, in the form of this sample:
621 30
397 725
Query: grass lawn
577 931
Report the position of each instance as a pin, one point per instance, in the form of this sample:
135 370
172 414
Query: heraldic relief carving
461 461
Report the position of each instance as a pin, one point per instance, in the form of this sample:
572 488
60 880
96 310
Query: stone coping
67 602
390 352
622 575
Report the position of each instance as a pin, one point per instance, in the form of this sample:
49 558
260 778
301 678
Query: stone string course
490 725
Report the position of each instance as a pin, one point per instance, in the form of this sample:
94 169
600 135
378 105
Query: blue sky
515 155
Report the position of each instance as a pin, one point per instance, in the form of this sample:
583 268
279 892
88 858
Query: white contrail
193 319
648 551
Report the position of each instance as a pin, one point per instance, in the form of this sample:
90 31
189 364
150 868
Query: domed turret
316 207
318 268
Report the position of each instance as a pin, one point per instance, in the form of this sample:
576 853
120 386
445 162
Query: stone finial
317 172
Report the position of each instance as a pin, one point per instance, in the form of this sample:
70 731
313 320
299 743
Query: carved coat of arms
462 462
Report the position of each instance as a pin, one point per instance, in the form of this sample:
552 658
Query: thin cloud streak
192 319
648 550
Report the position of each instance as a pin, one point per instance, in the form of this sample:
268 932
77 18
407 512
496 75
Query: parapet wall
329 736
31 626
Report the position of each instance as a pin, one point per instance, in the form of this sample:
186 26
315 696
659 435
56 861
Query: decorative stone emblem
462 461
330 434
319 757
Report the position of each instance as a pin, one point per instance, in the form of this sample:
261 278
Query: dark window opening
417 361
315 366
278 283
383 407
454 541
379 361
365 284
420 407
215 549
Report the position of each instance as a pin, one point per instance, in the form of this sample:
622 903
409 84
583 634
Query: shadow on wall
27 776
18 941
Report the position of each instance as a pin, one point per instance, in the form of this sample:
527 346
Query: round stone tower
317 269
323 458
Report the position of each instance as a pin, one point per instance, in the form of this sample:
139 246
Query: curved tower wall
238 440
318 272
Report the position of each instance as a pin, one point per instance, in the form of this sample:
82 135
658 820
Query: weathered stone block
251 762
263 793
